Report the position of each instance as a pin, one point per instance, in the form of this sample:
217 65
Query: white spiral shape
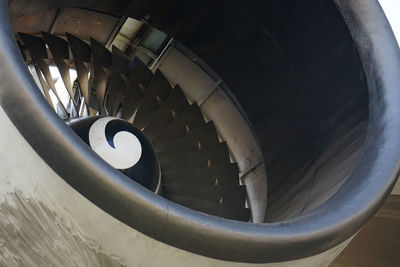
127 151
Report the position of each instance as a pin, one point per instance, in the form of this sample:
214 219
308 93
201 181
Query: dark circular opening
303 91
302 80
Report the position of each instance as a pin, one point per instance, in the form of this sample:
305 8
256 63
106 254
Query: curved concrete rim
319 230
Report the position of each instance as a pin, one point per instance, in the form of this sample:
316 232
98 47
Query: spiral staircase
305 92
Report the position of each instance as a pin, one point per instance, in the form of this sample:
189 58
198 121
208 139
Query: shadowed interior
290 65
